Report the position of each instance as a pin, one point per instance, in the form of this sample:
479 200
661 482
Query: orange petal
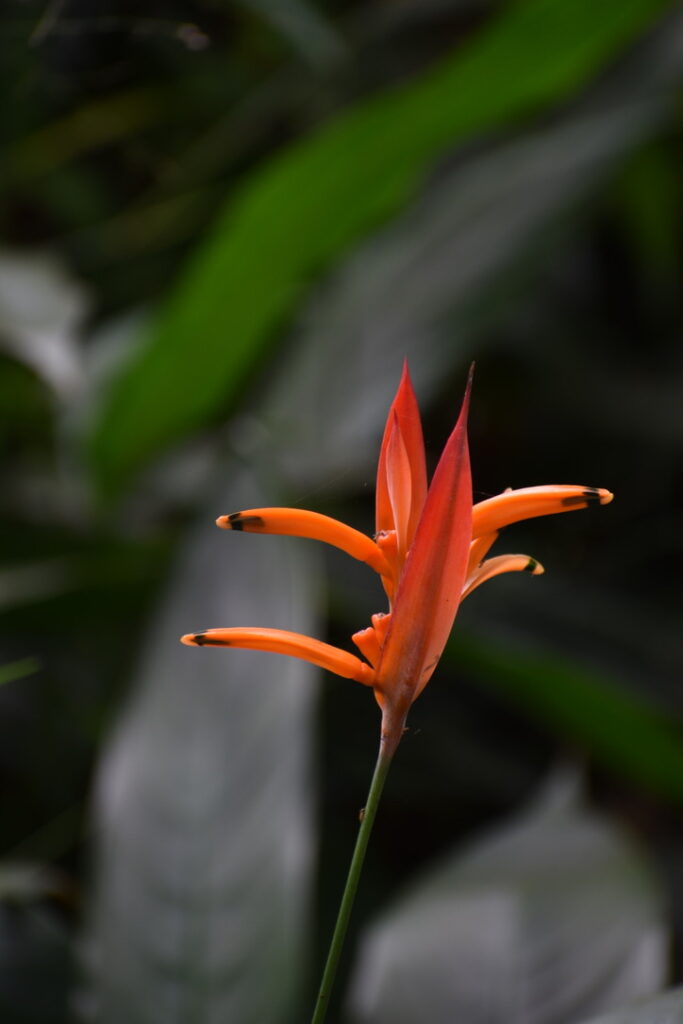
380 623
479 548
528 502
388 545
405 415
281 641
500 564
431 584
367 642
370 641
296 522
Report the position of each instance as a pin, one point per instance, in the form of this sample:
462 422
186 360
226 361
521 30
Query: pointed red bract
404 416
432 580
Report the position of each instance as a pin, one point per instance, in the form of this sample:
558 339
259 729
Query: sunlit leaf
311 202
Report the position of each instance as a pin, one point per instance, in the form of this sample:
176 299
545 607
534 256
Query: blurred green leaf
101 122
553 916
647 198
445 268
204 800
306 29
621 730
18 670
663 1009
309 204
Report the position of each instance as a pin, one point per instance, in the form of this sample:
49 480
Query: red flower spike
429 551
431 582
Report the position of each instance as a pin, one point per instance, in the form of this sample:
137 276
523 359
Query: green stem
367 820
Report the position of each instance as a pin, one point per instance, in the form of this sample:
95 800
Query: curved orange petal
431 584
528 502
296 522
479 548
388 545
405 416
281 641
500 564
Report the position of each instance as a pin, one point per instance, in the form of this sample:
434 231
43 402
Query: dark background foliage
224 226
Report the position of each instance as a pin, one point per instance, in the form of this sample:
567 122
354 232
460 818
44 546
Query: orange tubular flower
429 550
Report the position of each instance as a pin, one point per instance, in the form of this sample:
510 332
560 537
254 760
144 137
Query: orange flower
429 549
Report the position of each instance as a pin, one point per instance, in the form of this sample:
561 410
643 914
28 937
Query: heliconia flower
429 550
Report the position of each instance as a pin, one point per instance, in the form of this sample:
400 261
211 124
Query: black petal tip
240 521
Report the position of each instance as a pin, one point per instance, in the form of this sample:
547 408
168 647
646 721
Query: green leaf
647 198
440 270
18 670
624 732
309 204
100 122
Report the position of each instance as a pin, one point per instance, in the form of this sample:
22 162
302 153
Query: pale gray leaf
664 1009
41 310
203 801
551 918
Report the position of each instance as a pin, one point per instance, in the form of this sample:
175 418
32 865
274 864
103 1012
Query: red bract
429 550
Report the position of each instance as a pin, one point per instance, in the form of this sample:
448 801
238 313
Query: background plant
224 226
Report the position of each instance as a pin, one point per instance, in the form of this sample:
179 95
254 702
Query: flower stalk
368 815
